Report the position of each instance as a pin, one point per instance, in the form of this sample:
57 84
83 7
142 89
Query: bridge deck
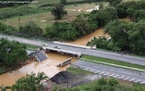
78 54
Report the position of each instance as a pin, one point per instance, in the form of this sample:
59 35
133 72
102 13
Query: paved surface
108 71
87 51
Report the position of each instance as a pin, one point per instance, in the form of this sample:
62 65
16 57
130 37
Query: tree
137 36
83 25
12 52
114 2
31 29
138 15
100 42
118 30
31 82
103 16
63 2
58 11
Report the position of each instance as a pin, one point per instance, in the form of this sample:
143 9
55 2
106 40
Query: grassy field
77 71
121 63
46 18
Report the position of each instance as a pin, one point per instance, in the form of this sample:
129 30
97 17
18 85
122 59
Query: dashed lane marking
121 77
115 76
126 78
142 82
132 79
112 75
106 74
96 71
137 80
102 72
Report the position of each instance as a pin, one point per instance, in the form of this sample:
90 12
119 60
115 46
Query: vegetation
125 36
31 82
30 29
114 2
105 85
7 29
7 3
58 11
121 63
134 9
12 53
20 11
103 16
63 2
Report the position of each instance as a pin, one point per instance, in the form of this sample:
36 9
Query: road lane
115 72
86 51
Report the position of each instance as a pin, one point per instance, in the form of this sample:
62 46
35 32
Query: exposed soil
66 79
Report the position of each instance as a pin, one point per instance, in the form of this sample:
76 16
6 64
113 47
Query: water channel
48 66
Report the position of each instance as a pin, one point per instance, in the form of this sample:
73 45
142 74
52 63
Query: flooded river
48 66
83 41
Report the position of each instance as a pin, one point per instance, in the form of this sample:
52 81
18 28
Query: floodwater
99 32
48 66
84 40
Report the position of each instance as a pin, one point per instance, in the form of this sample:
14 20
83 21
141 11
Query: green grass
78 71
88 86
42 19
121 63
31 47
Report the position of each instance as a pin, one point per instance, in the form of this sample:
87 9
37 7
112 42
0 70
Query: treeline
82 25
12 54
65 2
28 30
125 36
133 9
20 11
32 82
104 85
10 3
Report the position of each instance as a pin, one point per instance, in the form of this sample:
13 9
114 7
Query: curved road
83 50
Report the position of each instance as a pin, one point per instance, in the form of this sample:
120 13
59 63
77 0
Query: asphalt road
109 71
87 51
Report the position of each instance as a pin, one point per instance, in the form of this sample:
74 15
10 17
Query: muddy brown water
48 66
83 41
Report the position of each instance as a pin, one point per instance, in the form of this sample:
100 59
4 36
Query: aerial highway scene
72 45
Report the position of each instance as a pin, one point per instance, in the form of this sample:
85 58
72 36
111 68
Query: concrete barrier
74 45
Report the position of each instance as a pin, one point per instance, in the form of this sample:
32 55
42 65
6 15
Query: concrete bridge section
56 49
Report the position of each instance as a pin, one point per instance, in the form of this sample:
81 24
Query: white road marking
102 72
106 74
137 80
121 77
112 75
97 71
143 82
116 76
132 79
126 78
